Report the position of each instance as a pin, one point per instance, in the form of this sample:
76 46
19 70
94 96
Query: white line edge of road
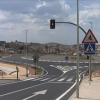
69 88
22 89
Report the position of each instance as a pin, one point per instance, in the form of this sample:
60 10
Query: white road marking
22 89
37 79
60 82
69 79
29 79
36 93
68 89
53 79
45 79
61 79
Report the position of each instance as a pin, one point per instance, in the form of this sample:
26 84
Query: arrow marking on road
36 93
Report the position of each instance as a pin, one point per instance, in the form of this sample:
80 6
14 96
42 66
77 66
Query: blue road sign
89 49
66 57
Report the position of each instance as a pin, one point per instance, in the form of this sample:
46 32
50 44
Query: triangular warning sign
89 49
89 38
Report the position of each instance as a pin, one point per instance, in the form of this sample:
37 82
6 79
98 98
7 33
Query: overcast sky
16 16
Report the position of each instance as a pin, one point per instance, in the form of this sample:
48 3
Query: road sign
66 57
89 38
89 49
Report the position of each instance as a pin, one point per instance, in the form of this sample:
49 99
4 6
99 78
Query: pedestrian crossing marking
61 79
45 79
70 79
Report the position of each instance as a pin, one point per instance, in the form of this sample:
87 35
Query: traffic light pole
90 70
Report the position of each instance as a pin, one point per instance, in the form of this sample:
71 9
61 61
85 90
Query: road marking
36 93
22 89
60 82
53 79
61 79
45 79
69 79
37 79
69 89
66 92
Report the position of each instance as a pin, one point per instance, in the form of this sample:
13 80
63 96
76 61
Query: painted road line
53 79
22 89
60 82
61 79
70 79
38 78
35 94
67 90
45 79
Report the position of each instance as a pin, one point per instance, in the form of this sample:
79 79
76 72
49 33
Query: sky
17 16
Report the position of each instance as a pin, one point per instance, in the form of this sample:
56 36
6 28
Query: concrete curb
61 61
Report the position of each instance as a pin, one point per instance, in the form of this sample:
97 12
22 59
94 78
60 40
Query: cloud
17 16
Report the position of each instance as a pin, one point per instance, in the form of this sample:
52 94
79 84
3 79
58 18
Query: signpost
89 48
66 59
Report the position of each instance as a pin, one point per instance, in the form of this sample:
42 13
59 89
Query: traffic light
52 23
87 56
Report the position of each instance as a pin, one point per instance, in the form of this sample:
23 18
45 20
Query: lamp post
90 56
77 74
26 56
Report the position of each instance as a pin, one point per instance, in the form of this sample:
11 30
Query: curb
59 61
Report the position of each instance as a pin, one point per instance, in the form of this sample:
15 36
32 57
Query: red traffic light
52 23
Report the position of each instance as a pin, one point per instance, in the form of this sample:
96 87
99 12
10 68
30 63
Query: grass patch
38 70
84 57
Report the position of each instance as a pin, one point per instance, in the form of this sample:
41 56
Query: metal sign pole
90 67
90 70
66 63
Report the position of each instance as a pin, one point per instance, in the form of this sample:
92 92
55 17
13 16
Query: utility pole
26 56
77 74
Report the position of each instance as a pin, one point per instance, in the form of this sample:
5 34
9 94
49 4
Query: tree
21 48
46 47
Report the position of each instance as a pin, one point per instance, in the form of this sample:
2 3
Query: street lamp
77 74
26 56
91 26
90 56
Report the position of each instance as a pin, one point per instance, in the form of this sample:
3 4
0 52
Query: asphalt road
56 85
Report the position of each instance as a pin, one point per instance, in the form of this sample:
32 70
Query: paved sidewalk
8 68
88 92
